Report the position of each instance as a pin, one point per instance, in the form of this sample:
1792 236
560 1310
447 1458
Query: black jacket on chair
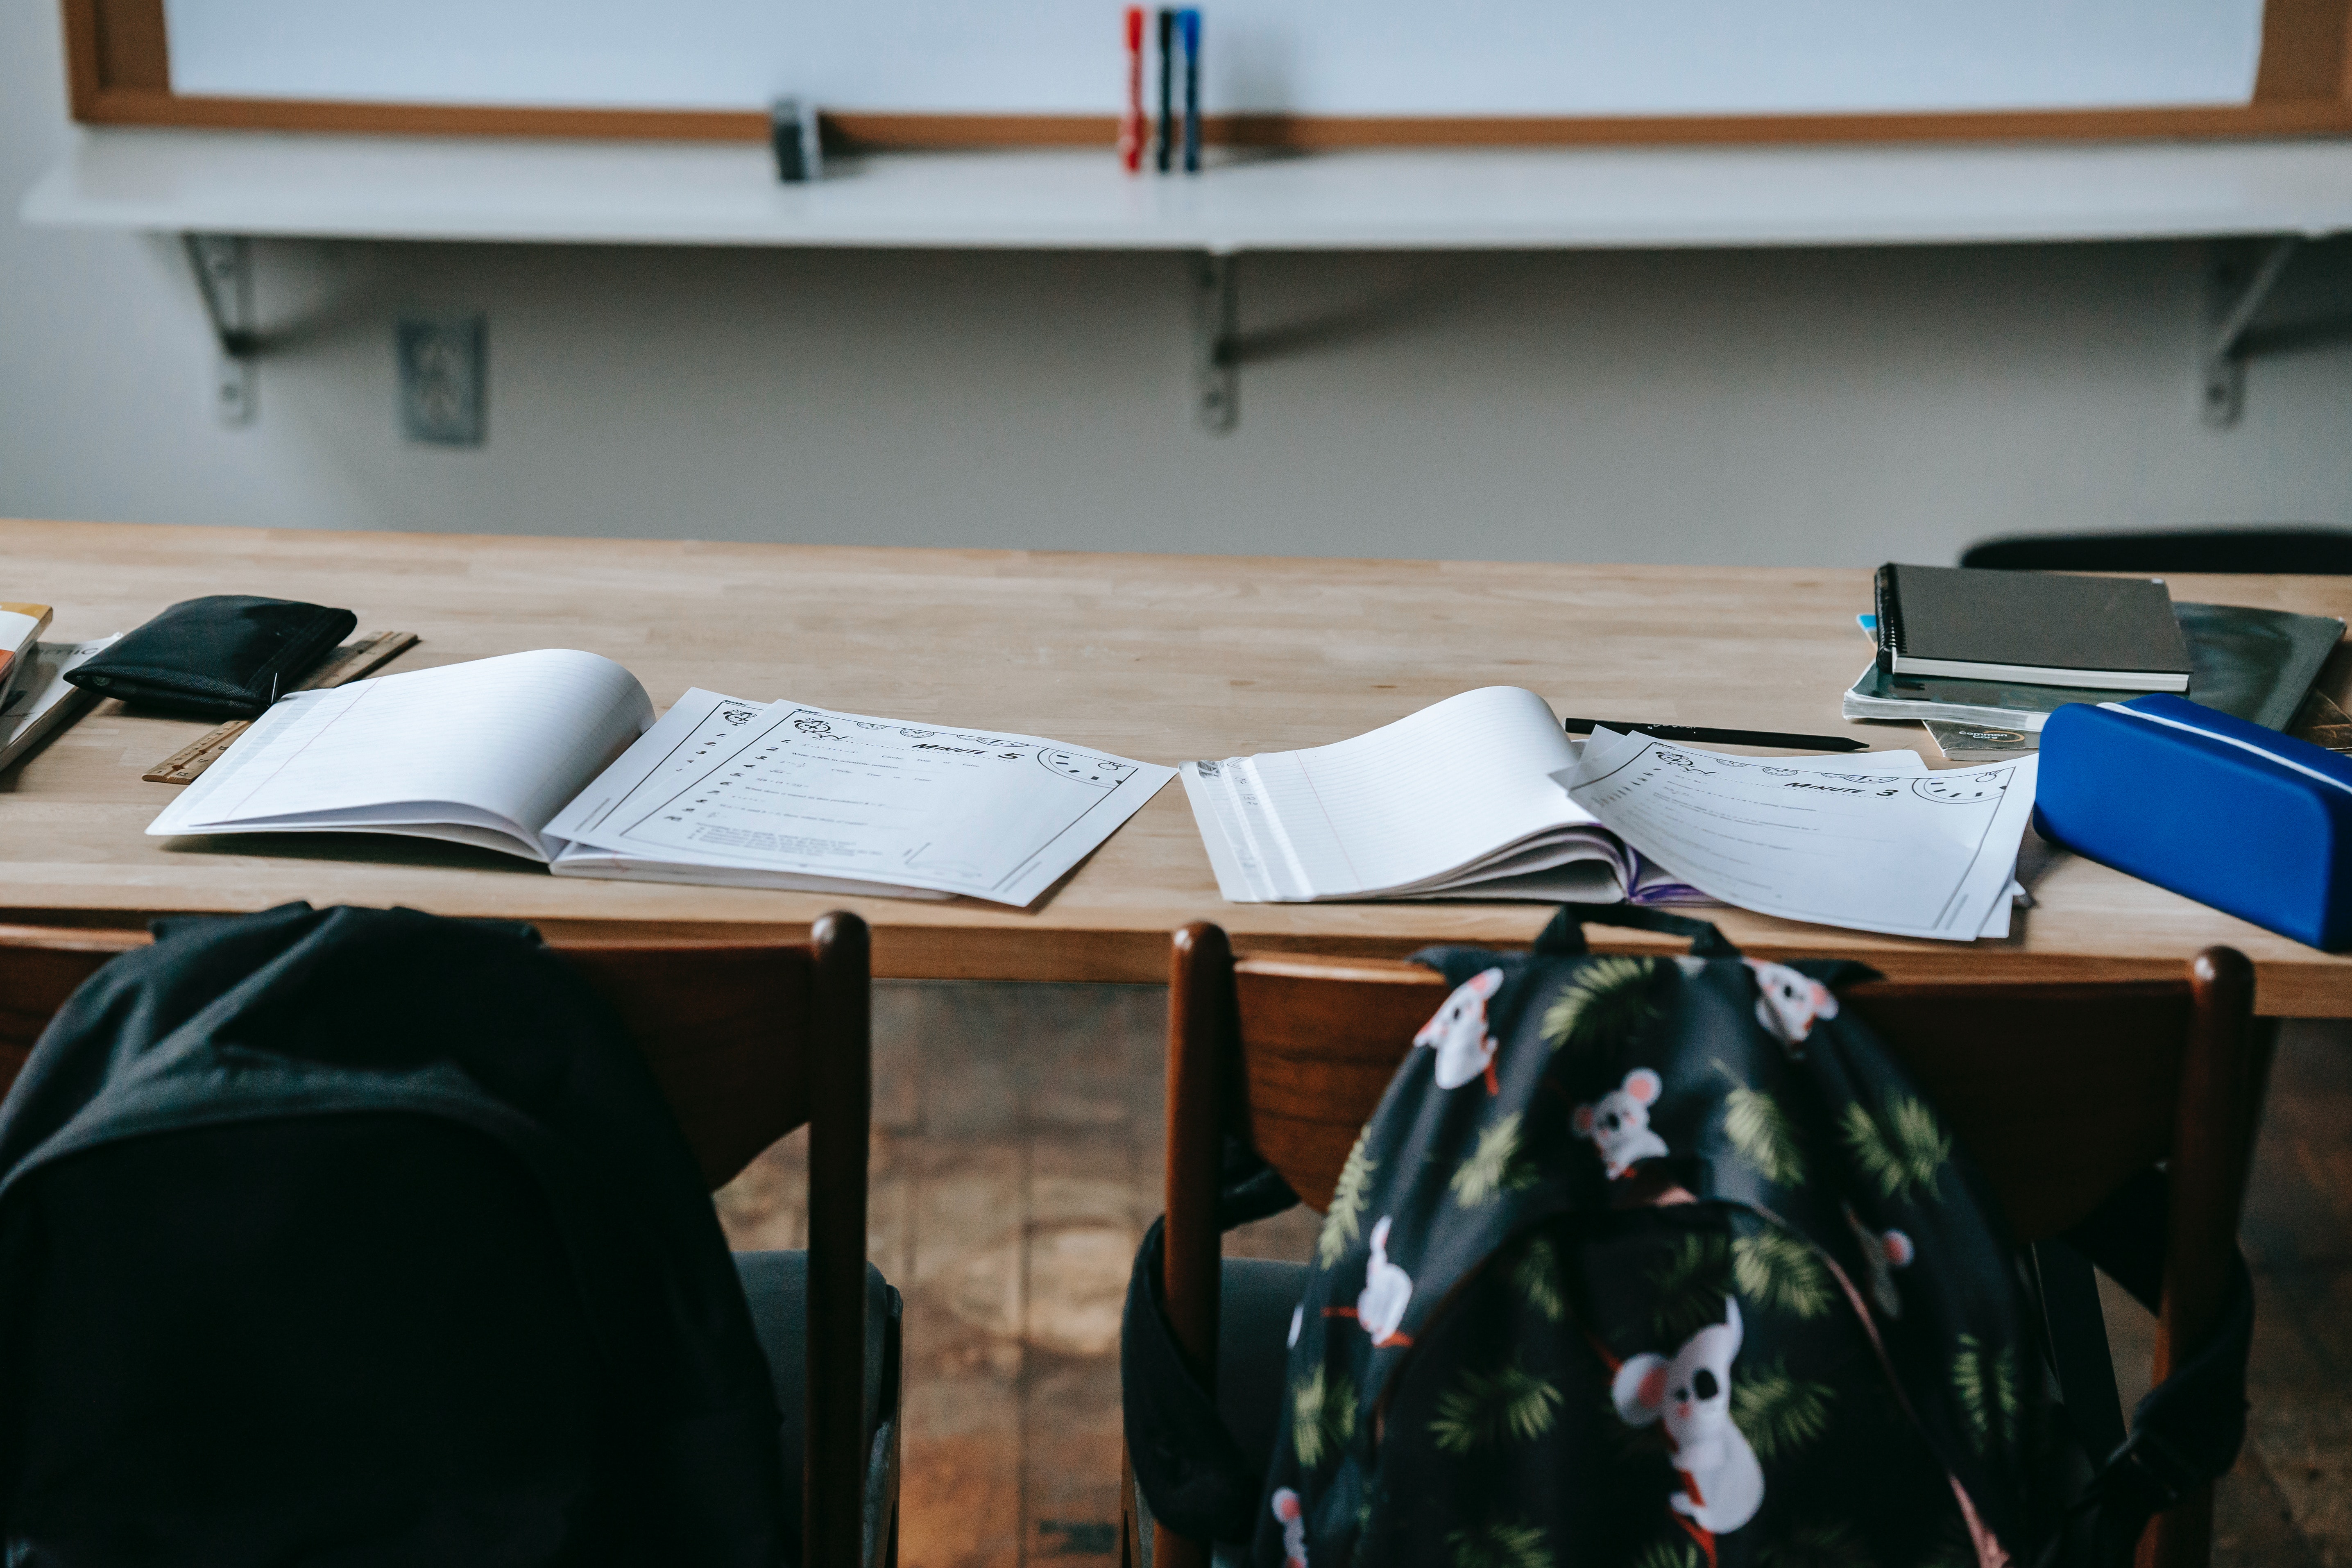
364 1237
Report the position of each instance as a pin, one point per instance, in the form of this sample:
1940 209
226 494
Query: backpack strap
1187 1463
1248 1189
2189 1427
2185 1433
1564 937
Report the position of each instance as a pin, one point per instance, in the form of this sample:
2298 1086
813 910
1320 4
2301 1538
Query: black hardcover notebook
2040 628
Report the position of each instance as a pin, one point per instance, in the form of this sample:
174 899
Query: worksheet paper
1902 854
1899 760
1895 760
782 787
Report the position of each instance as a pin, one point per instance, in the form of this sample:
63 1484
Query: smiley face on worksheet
1953 789
1095 771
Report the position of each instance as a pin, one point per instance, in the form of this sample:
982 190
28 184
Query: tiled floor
1016 1163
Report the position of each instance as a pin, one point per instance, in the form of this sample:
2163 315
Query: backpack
1667 1262
363 1236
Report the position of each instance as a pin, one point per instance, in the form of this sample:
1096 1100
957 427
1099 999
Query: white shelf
433 188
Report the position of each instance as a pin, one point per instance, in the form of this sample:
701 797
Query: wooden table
1160 657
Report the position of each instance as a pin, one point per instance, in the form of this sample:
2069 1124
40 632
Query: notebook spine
1888 609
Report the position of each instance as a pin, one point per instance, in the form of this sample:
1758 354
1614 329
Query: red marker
1130 124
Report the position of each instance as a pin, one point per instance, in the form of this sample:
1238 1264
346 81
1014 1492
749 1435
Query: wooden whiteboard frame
117 70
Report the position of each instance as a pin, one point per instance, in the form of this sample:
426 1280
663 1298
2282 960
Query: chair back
748 1042
40 966
2321 551
2062 1092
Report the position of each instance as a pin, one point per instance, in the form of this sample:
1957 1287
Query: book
555 756
1979 743
21 626
1462 800
45 701
2255 663
2036 628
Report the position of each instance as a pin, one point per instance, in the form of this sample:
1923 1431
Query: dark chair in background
2063 1093
2309 550
747 1043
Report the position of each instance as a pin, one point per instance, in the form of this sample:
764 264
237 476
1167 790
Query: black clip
2150 1471
793 130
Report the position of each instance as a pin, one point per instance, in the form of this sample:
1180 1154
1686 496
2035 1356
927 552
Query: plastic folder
2254 823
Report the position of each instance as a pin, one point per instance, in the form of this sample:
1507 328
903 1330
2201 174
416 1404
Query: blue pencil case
2254 823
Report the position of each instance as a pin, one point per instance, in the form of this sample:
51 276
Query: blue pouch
2254 823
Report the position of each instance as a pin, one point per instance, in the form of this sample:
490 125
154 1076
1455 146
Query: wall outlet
233 390
442 378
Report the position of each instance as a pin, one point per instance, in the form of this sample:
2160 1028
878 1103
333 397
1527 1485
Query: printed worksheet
781 786
1661 886
1903 853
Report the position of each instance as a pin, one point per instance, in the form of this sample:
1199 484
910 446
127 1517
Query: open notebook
1471 798
482 753
554 755
1457 801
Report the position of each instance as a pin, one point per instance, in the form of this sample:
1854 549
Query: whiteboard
1383 57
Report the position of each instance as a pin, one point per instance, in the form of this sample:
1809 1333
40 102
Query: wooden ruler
347 663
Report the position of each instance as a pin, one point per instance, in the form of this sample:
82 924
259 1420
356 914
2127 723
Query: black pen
1697 736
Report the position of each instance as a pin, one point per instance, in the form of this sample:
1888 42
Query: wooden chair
2062 1092
2291 549
749 1043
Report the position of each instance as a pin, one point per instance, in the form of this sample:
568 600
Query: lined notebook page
515 736
1422 797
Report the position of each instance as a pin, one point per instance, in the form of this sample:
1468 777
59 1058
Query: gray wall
1808 407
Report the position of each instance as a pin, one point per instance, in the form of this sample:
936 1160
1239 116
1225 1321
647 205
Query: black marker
1167 152
1697 736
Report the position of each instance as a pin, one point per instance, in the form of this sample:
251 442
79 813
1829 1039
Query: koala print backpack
1664 1262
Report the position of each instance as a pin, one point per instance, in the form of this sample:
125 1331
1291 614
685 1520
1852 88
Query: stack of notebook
2005 649
36 699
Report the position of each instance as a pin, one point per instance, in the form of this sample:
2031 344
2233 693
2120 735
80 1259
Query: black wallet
228 655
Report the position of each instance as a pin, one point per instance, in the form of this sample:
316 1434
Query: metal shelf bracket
1216 348
2234 295
223 265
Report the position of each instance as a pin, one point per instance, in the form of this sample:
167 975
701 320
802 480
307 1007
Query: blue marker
1188 20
